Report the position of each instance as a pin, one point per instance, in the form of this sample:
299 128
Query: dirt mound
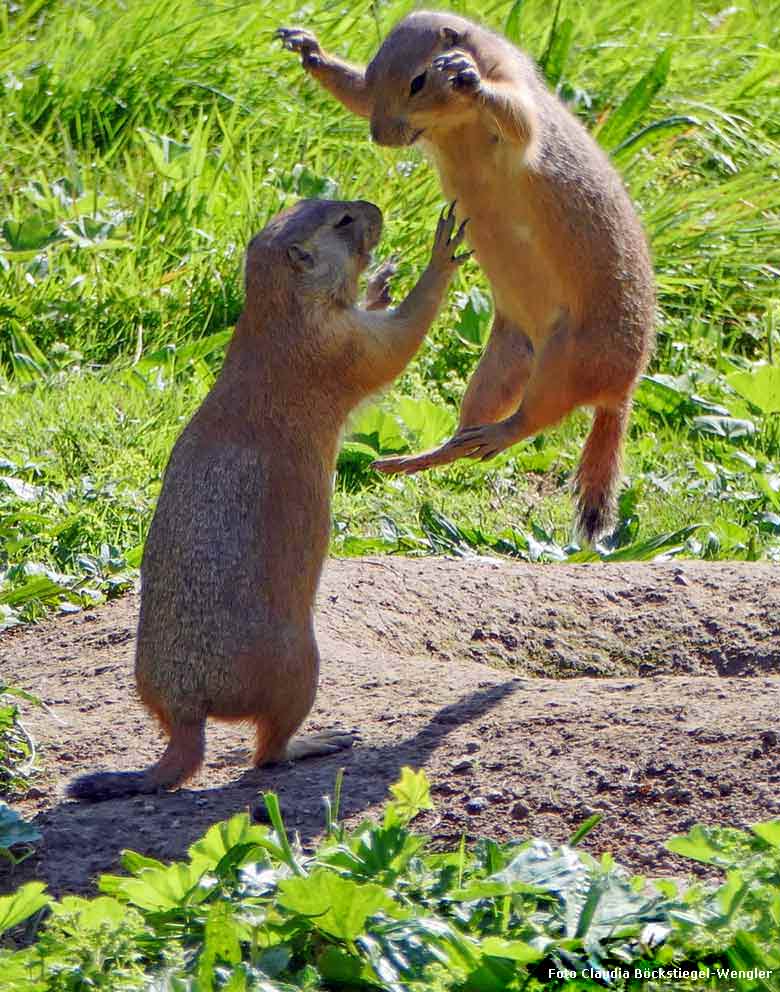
533 696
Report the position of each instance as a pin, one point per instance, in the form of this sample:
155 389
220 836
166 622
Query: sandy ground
532 695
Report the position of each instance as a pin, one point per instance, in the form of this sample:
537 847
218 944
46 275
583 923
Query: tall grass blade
512 23
623 118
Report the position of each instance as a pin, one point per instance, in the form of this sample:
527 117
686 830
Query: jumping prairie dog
550 223
237 542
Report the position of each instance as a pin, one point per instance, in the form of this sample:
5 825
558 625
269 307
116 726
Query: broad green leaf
200 348
760 387
769 486
357 546
14 829
378 430
90 914
221 941
662 544
161 889
30 364
517 950
473 326
15 969
769 831
730 535
493 888
357 449
21 489
218 841
36 587
729 427
167 154
544 867
30 234
660 393
406 949
696 845
22 904
179 356
134 863
338 966
337 906
748 954
374 849
444 536
411 795
13 690
731 895
428 422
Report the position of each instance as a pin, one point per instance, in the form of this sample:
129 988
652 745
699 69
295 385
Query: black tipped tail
111 785
598 475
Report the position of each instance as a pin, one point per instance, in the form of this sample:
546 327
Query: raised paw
460 70
303 41
378 287
447 240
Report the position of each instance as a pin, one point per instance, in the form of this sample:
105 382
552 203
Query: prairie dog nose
372 216
370 221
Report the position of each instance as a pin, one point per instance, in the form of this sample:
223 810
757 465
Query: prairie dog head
314 251
411 99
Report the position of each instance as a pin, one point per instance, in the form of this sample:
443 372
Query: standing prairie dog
550 223
238 539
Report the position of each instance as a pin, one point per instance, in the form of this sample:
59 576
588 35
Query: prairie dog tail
182 758
598 474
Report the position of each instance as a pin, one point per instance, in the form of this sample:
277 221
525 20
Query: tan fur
551 225
236 546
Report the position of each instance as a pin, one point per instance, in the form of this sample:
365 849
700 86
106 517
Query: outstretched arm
384 342
345 81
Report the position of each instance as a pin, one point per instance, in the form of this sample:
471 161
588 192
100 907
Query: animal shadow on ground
81 841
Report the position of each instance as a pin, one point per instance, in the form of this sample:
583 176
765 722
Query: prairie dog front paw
302 41
460 70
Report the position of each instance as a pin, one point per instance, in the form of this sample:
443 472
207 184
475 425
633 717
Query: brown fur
237 542
551 225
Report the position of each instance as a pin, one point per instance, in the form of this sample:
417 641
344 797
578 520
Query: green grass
376 908
144 143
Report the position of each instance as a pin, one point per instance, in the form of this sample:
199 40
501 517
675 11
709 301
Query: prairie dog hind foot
318 745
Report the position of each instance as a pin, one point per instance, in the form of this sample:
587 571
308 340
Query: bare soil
532 695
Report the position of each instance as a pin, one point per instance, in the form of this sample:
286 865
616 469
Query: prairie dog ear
301 259
450 37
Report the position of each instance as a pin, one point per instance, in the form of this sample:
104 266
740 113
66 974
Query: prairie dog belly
526 287
510 238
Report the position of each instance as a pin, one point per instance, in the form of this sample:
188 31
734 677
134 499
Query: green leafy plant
374 907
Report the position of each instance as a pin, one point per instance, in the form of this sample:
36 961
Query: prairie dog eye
345 221
417 84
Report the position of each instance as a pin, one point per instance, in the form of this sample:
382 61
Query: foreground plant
376 908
